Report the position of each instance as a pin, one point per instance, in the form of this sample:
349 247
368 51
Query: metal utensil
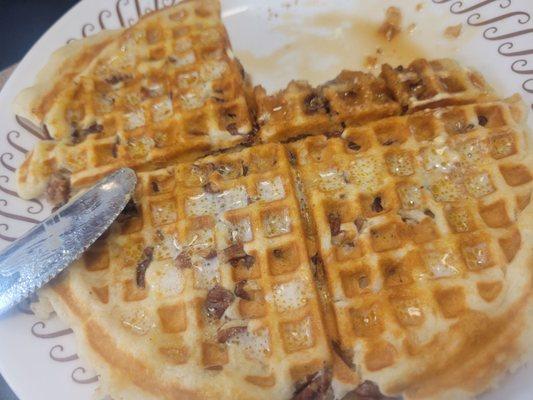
49 247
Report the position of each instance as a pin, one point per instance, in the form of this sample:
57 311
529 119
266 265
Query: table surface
5 391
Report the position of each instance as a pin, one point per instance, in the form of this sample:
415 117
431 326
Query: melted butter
206 272
277 223
441 265
165 279
290 295
271 190
137 321
216 203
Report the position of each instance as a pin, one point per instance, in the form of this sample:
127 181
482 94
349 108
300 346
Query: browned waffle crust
352 98
168 88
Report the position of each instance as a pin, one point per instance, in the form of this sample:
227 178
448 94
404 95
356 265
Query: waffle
423 227
355 98
389 251
301 109
352 98
64 65
145 301
166 88
436 83
397 254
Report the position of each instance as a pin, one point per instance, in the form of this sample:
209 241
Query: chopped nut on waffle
423 226
301 110
297 110
205 276
436 83
355 98
358 97
167 87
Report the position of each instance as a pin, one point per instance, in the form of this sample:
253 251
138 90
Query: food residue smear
319 46
392 26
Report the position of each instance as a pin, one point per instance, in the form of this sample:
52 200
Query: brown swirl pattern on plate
491 33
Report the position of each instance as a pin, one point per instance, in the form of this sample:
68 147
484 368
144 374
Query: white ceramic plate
277 41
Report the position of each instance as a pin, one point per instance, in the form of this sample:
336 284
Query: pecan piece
359 223
217 300
142 266
317 260
429 213
183 260
315 387
233 129
209 254
128 212
368 390
247 261
240 290
354 146
94 128
377 207
314 103
117 78
77 136
234 251
212 187
317 265
223 335
58 189
236 255
334 221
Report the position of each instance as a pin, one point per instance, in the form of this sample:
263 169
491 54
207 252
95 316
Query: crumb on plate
453 31
391 27
370 62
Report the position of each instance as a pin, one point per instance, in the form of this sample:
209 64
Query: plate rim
520 65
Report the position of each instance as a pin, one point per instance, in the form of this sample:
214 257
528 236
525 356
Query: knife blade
49 247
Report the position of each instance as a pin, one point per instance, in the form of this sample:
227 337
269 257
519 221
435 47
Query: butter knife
48 248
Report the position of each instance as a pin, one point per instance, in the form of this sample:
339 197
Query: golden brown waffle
424 228
355 98
351 98
393 247
297 110
167 87
436 83
64 65
228 221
